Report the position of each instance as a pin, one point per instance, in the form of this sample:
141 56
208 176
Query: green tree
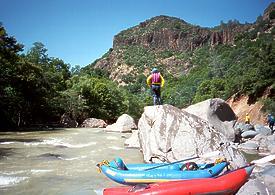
44 93
214 88
10 65
102 97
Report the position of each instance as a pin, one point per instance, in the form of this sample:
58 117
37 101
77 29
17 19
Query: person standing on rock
247 119
270 121
155 81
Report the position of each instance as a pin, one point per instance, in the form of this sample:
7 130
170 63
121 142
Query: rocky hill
165 41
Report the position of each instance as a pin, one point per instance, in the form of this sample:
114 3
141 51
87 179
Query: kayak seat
119 164
189 166
206 166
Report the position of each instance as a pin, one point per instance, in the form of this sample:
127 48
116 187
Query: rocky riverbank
167 134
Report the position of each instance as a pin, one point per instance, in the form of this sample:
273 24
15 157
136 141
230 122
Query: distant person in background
155 81
247 119
270 121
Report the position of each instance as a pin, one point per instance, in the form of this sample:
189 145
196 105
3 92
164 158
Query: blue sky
80 31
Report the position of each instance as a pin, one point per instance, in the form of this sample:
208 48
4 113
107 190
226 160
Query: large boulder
253 186
242 127
261 129
167 133
249 134
94 123
218 114
268 177
249 145
124 123
266 143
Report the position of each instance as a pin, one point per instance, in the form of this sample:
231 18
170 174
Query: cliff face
167 33
269 13
226 35
166 39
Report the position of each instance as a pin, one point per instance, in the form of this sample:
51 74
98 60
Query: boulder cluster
166 133
255 138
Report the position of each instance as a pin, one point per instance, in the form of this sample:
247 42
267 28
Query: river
59 161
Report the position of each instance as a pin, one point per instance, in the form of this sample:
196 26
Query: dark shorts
156 90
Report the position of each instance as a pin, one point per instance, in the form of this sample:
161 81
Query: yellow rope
104 162
220 160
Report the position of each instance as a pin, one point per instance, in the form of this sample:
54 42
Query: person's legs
156 94
153 87
155 100
271 125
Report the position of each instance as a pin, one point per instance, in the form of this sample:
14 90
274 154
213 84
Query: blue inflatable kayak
132 174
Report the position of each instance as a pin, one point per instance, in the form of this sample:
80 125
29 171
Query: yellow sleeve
148 80
162 81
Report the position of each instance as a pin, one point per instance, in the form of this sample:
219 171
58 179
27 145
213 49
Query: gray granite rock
253 187
168 134
218 114
124 123
249 134
94 123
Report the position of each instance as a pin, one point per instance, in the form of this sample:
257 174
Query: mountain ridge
165 32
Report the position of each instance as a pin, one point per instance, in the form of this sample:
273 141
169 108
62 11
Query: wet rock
51 156
249 134
94 123
124 123
249 146
23 140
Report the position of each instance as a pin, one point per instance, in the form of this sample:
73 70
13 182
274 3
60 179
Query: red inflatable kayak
228 183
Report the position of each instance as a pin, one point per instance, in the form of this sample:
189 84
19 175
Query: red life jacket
156 80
